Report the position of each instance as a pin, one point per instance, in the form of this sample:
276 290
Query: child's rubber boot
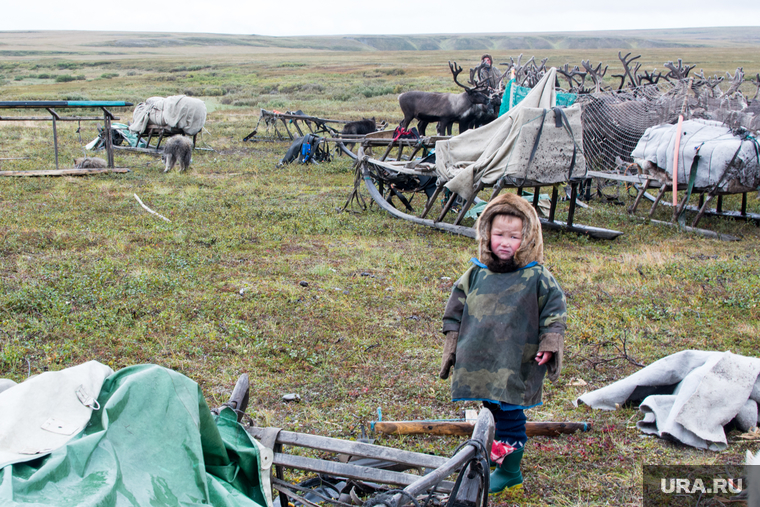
508 475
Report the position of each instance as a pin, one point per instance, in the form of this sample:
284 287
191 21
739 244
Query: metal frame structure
51 105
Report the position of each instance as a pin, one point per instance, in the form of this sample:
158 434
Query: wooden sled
386 180
643 183
397 478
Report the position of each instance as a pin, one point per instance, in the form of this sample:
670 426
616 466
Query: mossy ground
86 273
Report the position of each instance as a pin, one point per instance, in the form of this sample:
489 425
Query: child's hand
544 357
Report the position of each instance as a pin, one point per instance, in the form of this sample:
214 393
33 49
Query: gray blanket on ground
178 111
689 396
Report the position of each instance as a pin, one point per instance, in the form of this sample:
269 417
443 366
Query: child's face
506 236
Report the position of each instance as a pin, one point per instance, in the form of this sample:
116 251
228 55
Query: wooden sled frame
644 183
367 169
469 490
160 133
302 123
384 138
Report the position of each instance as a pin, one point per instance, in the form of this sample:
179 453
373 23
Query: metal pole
109 141
55 142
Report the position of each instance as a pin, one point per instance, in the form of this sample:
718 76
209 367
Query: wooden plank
594 232
639 179
65 172
359 449
462 428
350 471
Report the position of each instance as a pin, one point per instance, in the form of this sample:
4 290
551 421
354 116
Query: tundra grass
258 271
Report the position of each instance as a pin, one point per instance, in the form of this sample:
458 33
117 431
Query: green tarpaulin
514 93
152 442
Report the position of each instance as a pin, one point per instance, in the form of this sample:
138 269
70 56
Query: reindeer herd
701 95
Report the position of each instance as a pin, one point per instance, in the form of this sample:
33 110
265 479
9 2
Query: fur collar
532 246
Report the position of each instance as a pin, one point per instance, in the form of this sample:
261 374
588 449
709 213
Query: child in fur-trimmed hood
505 324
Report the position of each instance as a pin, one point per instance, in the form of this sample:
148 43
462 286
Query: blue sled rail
63 103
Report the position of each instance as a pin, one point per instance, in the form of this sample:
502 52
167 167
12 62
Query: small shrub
313 88
109 75
18 78
131 73
80 78
213 92
226 101
291 64
64 78
375 91
44 76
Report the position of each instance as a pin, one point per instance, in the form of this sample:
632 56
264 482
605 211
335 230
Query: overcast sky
336 17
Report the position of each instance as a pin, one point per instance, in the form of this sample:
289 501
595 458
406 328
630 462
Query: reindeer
358 128
445 108
178 148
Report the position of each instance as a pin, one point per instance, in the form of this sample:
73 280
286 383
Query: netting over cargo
614 121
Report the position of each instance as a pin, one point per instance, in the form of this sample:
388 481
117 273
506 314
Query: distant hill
59 42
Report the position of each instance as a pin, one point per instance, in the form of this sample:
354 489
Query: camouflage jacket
503 320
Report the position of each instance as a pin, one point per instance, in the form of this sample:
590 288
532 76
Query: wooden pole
462 428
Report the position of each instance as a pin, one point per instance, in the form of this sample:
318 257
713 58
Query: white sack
178 111
717 147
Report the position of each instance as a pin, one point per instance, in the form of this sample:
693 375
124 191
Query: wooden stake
150 210
461 428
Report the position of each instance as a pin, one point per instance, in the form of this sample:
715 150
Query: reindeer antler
679 72
596 73
736 81
455 71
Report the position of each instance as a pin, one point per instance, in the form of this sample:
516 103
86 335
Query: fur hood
532 246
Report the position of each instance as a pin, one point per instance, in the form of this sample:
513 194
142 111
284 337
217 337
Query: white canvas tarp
689 396
727 163
48 410
504 146
178 111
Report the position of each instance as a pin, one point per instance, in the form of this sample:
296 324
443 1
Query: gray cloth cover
697 393
177 111
718 146
46 411
503 147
